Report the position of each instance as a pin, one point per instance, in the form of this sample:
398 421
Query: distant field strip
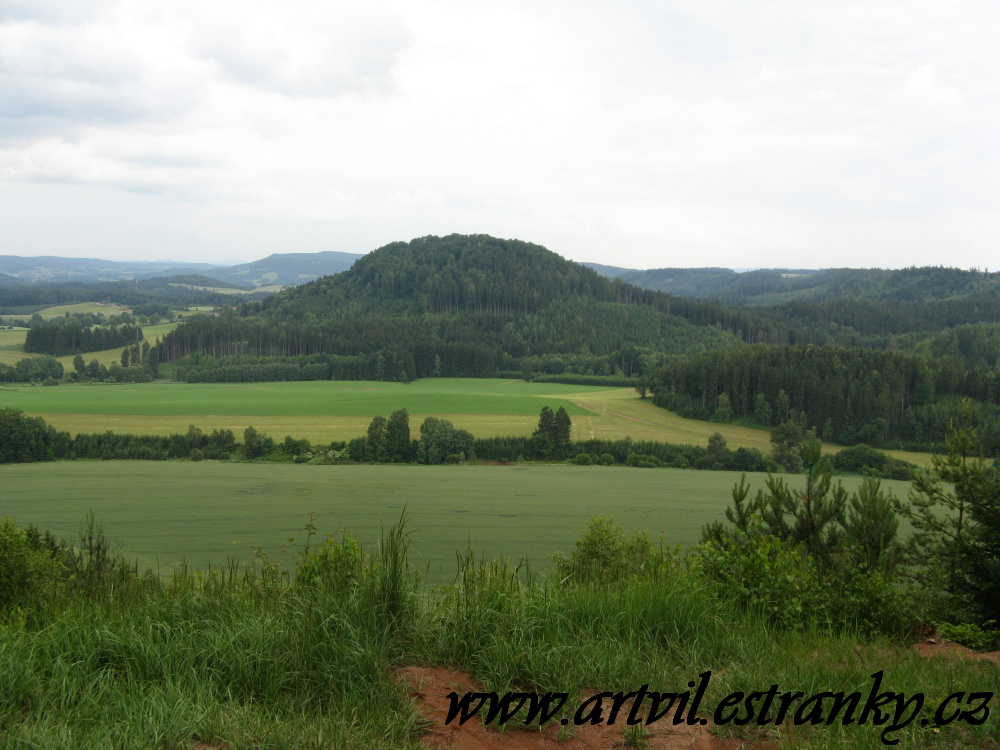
320 411
161 512
324 411
11 346
12 343
314 398
649 422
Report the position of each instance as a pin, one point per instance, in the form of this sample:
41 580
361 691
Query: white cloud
708 132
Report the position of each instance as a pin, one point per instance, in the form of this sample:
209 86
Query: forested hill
777 286
466 305
451 274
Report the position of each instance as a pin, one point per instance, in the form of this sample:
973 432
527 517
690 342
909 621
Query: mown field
82 308
323 411
206 512
11 343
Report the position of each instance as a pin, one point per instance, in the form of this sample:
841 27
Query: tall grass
266 659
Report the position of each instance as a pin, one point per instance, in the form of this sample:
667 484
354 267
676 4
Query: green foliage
233 658
863 459
968 635
643 386
551 439
397 436
814 556
26 439
335 564
458 306
604 554
763 575
66 335
28 576
376 449
642 461
860 394
256 444
781 582
954 551
870 528
439 439
197 455
31 370
787 440
723 408
583 459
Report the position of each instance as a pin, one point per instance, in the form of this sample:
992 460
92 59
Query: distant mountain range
762 287
777 286
280 269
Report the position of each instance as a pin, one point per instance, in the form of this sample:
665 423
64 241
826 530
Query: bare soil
939 648
429 687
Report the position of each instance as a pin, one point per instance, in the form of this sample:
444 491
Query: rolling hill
470 305
777 286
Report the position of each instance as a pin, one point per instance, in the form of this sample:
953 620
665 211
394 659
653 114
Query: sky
634 133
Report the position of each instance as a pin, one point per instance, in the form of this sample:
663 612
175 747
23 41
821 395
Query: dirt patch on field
430 686
940 648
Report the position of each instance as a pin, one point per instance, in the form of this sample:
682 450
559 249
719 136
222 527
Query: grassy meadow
81 308
323 411
12 343
225 661
161 512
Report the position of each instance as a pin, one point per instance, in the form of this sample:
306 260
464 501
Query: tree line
24 299
389 440
848 395
62 336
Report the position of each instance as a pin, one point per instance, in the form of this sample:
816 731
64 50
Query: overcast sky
636 133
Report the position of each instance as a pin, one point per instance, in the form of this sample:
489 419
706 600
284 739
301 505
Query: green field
323 411
330 398
82 308
160 512
12 343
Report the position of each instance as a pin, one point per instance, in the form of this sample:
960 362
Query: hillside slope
776 286
462 305
286 269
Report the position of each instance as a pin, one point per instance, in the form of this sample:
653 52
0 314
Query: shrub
761 574
860 459
967 634
605 459
642 461
27 575
582 459
197 455
605 553
336 564
816 556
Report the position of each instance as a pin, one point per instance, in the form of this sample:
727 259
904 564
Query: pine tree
561 427
376 445
397 436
